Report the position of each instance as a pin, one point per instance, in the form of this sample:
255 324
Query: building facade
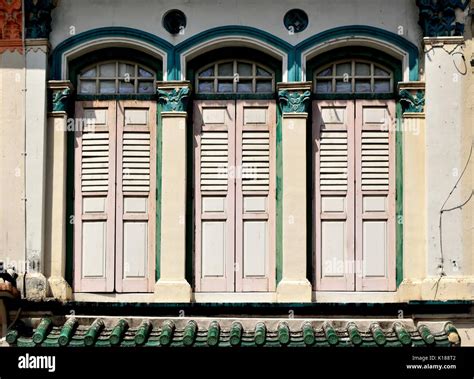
214 152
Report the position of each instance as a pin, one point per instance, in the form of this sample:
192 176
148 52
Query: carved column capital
294 97
412 96
60 94
442 18
174 95
38 17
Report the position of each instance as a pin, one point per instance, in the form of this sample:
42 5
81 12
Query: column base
172 291
59 288
294 291
36 286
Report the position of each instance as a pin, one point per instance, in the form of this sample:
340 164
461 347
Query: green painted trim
232 30
114 53
69 274
159 163
279 197
189 217
113 31
362 31
399 195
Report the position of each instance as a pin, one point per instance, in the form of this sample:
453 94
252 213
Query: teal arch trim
112 31
359 31
174 70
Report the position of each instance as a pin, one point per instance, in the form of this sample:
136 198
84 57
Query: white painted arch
107 42
374 43
234 41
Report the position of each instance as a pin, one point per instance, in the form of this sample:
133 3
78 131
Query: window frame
117 78
353 77
235 61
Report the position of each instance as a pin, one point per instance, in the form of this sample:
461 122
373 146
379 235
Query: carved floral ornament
441 18
174 99
294 101
11 18
412 97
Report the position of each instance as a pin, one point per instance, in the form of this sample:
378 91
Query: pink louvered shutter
333 141
94 196
255 196
136 196
214 138
375 195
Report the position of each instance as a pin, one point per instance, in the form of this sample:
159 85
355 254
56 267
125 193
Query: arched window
353 77
235 76
116 77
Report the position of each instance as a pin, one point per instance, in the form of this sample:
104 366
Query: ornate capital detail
441 18
294 97
38 17
11 26
412 96
174 95
60 95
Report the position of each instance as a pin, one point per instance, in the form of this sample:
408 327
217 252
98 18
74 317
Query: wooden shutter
255 196
375 195
136 194
214 133
94 192
333 139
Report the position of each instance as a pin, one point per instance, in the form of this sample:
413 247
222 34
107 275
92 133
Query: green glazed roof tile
255 332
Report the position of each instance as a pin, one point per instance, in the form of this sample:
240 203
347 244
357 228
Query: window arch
115 77
354 76
235 76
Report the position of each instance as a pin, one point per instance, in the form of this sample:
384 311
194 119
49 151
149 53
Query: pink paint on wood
345 280
387 282
106 283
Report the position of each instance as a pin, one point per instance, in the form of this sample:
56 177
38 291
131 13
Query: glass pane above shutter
382 86
207 72
244 86
226 69
262 72
344 69
362 69
264 86
244 69
89 73
88 87
107 70
144 73
145 87
107 86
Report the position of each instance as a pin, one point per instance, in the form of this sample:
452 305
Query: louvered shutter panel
214 159
255 196
375 195
136 190
333 140
94 191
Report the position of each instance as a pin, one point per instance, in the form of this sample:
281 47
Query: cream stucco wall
74 17
12 159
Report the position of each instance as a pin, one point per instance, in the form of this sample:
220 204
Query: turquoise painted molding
294 53
174 100
284 47
112 31
412 102
358 31
294 101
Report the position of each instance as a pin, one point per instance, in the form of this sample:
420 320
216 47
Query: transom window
116 77
353 76
235 76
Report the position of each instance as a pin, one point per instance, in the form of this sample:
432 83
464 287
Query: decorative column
294 101
37 30
411 129
12 137
172 285
449 268
55 234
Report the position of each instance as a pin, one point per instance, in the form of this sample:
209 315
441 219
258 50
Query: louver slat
375 159
333 161
214 161
95 162
255 161
136 162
